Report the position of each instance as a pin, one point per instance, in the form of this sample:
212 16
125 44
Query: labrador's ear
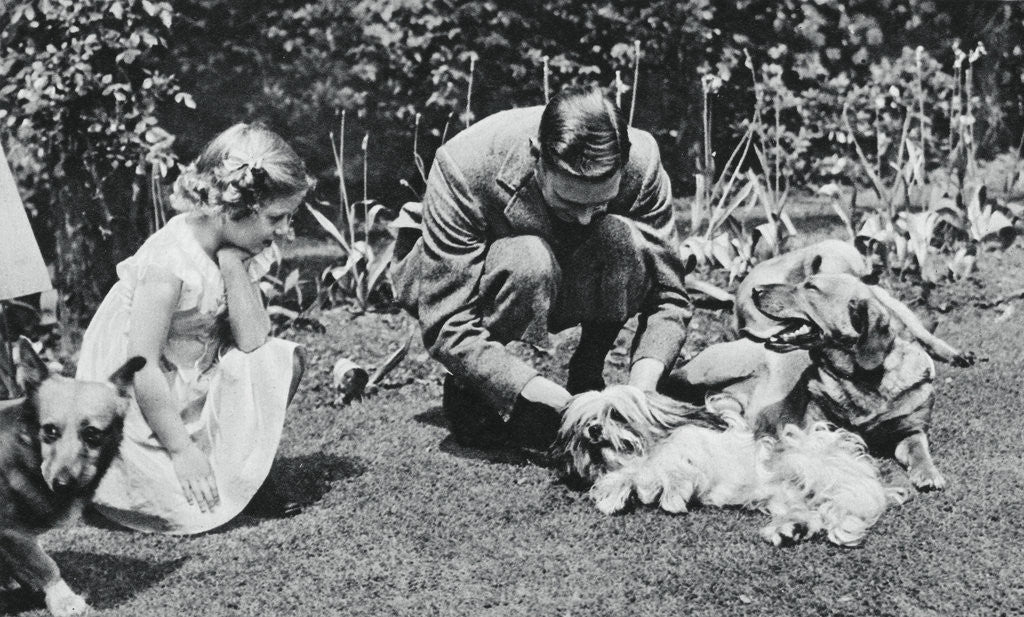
863 245
815 265
689 263
871 321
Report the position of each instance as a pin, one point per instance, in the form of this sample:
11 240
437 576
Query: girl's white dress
232 402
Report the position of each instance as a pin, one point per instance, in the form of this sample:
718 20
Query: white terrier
814 480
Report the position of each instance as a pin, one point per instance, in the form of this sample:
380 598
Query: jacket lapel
525 209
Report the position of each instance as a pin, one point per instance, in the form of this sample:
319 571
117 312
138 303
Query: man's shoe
472 420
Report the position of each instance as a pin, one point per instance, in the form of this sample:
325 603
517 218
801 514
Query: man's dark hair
583 133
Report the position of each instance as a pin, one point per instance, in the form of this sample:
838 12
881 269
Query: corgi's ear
123 377
31 370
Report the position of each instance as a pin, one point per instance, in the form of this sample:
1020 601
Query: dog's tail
834 476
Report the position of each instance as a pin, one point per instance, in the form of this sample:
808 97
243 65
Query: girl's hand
196 477
233 255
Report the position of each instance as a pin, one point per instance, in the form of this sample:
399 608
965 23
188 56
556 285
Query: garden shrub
80 106
297 64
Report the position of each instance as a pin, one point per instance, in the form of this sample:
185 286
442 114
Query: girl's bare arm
153 305
250 323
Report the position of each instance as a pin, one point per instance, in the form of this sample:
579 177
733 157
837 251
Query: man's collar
518 168
525 208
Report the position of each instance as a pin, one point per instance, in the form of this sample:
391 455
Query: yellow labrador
832 257
769 377
863 377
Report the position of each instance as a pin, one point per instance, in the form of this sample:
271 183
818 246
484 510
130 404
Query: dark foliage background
96 93
296 64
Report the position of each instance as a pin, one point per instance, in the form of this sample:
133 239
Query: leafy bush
296 64
82 95
91 85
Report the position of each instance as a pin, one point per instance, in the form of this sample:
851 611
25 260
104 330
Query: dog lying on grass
865 377
832 257
55 445
771 370
812 481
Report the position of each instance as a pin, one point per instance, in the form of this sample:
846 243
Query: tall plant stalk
956 101
447 124
709 160
973 57
636 79
420 166
366 140
547 87
338 149
918 53
469 91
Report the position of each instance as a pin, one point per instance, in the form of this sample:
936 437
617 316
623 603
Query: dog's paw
610 504
611 494
787 532
927 478
964 359
674 502
897 495
648 488
848 532
63 602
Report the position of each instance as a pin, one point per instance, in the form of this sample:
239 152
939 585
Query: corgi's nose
594 432
64 484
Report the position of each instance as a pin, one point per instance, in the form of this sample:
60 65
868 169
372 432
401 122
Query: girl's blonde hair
244 166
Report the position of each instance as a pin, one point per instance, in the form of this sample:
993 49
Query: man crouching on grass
535 220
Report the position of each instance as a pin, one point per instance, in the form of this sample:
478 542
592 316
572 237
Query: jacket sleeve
454 249
667 310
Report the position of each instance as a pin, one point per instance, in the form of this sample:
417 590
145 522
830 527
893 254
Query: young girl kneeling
209 405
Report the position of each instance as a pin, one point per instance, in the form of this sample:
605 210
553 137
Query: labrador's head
829 311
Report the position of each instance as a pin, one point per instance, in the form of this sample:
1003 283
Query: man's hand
646 373
546 392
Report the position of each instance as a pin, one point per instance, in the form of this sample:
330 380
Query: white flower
977 52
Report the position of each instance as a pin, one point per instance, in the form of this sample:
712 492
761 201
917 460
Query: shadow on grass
508 455
304 479
307 478
505 455
301 479
433 416
106 581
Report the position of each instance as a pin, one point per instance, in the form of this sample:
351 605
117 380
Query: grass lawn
408 523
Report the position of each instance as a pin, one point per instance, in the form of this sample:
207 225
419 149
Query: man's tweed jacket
482 187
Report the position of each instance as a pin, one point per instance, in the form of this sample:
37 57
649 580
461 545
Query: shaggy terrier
813 481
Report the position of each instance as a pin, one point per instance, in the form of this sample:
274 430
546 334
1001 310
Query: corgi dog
55 445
